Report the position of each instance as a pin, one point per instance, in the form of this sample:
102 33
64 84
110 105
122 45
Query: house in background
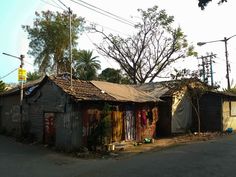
176 113
175 109
69 117
217 112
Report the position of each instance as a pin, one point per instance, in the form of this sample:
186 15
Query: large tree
86 65
50 40
114 76
31 76
144 55
203 3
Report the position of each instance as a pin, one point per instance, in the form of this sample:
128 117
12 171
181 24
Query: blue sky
13 14
216 22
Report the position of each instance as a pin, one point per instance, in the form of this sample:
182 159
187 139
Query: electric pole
207 68
70 36
21 58
225 40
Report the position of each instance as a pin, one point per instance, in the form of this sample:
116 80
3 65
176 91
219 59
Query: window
233 108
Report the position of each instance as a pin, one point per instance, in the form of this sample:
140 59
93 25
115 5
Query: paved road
216 158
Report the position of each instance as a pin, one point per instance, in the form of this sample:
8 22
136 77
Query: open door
49 128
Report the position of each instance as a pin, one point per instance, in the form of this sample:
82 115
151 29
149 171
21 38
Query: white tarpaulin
181 114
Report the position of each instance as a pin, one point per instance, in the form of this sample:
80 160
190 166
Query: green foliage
156 45
31 76
106 124
232 90
114 76
50 40
2 86
203 3
86 65
183 74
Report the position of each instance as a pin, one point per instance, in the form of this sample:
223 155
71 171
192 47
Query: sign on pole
22 75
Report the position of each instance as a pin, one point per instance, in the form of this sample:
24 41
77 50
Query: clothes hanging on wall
129 125
143 118
117 125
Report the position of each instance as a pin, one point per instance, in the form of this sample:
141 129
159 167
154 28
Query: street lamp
21 58
225 40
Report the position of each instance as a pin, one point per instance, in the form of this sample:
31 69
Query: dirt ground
132 148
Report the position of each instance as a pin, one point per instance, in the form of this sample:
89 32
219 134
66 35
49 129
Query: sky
214 23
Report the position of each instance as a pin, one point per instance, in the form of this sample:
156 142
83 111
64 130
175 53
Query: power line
102 13
63 4
116 16
8 73
44 1
58 4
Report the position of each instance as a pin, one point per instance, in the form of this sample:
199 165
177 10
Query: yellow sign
22 74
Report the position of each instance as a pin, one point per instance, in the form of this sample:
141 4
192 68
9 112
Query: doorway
49 128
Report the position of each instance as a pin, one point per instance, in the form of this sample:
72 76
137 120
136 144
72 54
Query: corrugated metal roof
26 85
166 88
124 92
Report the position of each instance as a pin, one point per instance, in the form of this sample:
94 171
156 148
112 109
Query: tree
195 95
203 3
144 55
50 40
194 90
86 65
114 76
183 74
232 90
2 86
31 76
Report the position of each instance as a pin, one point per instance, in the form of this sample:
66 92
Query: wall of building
47 99
10 113
164 119
210 113
229 118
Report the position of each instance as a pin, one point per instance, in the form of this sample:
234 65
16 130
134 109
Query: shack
175 109
83 113
217 112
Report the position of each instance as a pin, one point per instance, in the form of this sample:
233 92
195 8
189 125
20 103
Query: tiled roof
81 90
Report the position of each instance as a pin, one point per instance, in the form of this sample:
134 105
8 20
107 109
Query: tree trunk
197 111
198 117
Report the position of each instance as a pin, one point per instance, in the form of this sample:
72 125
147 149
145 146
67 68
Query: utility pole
21 95
225 40
71 84
207 68
21 58
70 34
227 62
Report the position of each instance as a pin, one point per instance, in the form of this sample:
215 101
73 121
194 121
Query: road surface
214 158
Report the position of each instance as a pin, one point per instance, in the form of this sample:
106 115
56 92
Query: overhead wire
8 73
116 16
58 4
63 4
46 2
102 13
